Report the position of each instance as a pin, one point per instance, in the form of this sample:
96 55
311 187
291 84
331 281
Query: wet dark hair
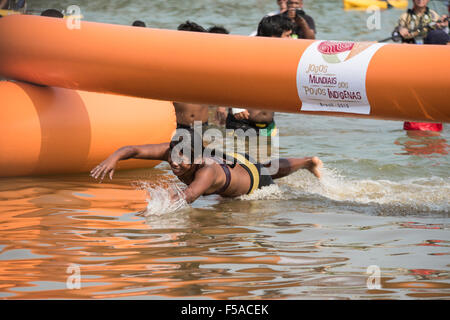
52 13
191 26
139 23
274 26
437 37
193 136
218 29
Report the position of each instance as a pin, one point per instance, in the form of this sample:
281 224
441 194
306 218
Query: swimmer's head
278 26
185 151
139 23
191 26
437 37
52 13
218 29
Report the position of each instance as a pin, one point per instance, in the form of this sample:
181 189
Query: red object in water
423 126
423 272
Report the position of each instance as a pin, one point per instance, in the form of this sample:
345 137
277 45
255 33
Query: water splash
381 197
412 196
162 200
272 192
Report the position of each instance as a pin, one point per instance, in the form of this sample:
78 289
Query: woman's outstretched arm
148 151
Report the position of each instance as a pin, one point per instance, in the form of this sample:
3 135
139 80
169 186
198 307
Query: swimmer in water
208 175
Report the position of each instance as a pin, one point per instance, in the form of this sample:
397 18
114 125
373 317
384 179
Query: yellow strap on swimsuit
243 160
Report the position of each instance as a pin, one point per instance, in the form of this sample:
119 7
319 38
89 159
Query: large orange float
45 130
401 82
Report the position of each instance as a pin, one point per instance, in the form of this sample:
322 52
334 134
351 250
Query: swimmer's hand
404 33
106 167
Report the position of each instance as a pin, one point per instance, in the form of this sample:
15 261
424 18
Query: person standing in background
414 25
188 113
261 121
434 37
304 25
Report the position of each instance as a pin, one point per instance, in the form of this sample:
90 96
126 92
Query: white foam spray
381 196
412 196
163 200
406 196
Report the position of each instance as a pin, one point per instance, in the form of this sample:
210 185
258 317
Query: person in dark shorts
188 113
261 121
433 37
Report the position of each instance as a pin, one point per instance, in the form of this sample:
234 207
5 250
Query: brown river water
383 201
301 239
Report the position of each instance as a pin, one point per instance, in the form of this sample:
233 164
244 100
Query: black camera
299 13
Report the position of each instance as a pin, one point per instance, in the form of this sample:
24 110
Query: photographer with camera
414 24
305 27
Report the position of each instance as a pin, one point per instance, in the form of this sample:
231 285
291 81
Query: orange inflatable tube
393 81
45 130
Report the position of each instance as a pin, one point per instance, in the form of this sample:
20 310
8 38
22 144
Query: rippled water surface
383 201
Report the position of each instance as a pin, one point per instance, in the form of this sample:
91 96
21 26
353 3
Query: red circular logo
330 47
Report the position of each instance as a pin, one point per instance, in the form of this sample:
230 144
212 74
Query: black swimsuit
228 175
257 180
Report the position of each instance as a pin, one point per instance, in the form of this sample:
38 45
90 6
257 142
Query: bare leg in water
290 165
